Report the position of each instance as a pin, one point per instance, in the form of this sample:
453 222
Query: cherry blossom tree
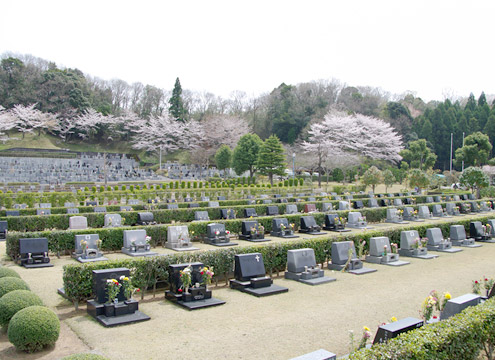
90 122
28 119
7 122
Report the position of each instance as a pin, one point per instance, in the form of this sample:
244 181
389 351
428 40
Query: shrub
33 328
15 301
85 357
8 284
4 271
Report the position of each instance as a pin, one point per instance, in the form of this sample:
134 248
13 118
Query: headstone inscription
344 258
136 243
88 248
178 239
217 235
301 266
412 245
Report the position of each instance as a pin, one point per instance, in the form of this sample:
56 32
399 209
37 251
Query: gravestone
456 305
343 205
100 209
125 208
310 208
348 197
3 230
410 214
464 197
34 252
250 212
308 226
88 248
69 205
217 235
291 209
325 207
448 198
271 210
410 246
195 296
491 222
384 202
72 211
205 198
43 212
337 197
438 211
267 201
452 209
437 198
478 233
45 205
395 216
136 243
125 311
227 214
252 231
213 204
221 198
335 223
12 213
471 197
282 200
475 207
341 261
485 206
456 198
436 242
178 239
282 228
91 203
133 202
372 203
78 223
20 206
201 216
397 202
250 276
428 199
381 252
424 212
112 220
301 266
356 221
465 208
358 204
393 329
408 201
458 237
173 206
145 218
193 205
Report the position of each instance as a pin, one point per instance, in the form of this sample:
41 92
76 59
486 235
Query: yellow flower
365 328
393 319
448 296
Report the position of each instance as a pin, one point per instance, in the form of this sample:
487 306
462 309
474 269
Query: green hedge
462 336
146 272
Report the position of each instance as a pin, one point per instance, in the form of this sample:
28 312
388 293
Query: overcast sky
428 47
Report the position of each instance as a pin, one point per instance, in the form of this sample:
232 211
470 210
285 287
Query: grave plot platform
440 249
416 255
198 299
360 271
335 229
284 236
200 304
245 286
122 319
321 354
252 239
221 244
312 281
381 261
312 232
141 253
81 260
469 243
486 240
33 266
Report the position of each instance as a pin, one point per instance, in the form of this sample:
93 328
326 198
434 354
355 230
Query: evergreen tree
176 108
271 158
372 177
223 157
388 178
246 154
490 128
476 150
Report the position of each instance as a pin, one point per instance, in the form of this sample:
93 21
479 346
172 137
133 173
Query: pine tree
271 158
176 108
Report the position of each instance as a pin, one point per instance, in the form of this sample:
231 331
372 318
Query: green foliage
388 178
337 175
476 150
34 328
8 284
5 271
14 301
245 154
418 155
418 178
177 109
474 178
271 158
372 177
223 157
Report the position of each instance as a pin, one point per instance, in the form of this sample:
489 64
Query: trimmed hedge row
462 336
147 272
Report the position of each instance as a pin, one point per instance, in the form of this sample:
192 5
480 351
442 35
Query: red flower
486 279
476 281
434 316
180 290
137 290
202 272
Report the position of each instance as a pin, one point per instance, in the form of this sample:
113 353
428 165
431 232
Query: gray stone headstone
43 211
377 245
408 239
201 216
138 236
372 203
424 212
397 202
435 236
73 211
213 204
343 205
456 305
291 209
457 232
327 207
340 251
299 258
113 220
91 240
78 223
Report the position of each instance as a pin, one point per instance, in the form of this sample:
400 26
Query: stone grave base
486 240
378 260
396 222
357 226
321 354
199 304
415 220
40 265
277 234
258 292
465 243
335 230
437 248
361 271
312 232
220 244
122 319
100 258
409 253
256 239
138 253
315 281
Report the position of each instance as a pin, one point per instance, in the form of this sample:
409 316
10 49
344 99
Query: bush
33 328
4 271
85 357
8 284
15 301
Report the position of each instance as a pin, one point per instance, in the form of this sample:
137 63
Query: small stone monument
381 252
112 220
193 205
271 210
291 209
335 223
195 294
213 204
358 204
438 211
344 205
78 223
250 212
452 209
436 242
411 245
43 212
217 235
34 252
282 228
178 239
458 237
397 202
72 211
356 221
100 209
372 203
301 266
410 214
173 206
456 305
326 207
429 199
344 258
201 216
308 226
146 218
395 216
475 207
252 231
310 208
393 329
227 214
136 243
479 233
250 276
3 230
88 248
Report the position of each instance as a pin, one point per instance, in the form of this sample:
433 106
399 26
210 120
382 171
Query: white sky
427 47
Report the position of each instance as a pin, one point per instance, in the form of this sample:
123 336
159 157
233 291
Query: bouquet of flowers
185 278
113 289
207 274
